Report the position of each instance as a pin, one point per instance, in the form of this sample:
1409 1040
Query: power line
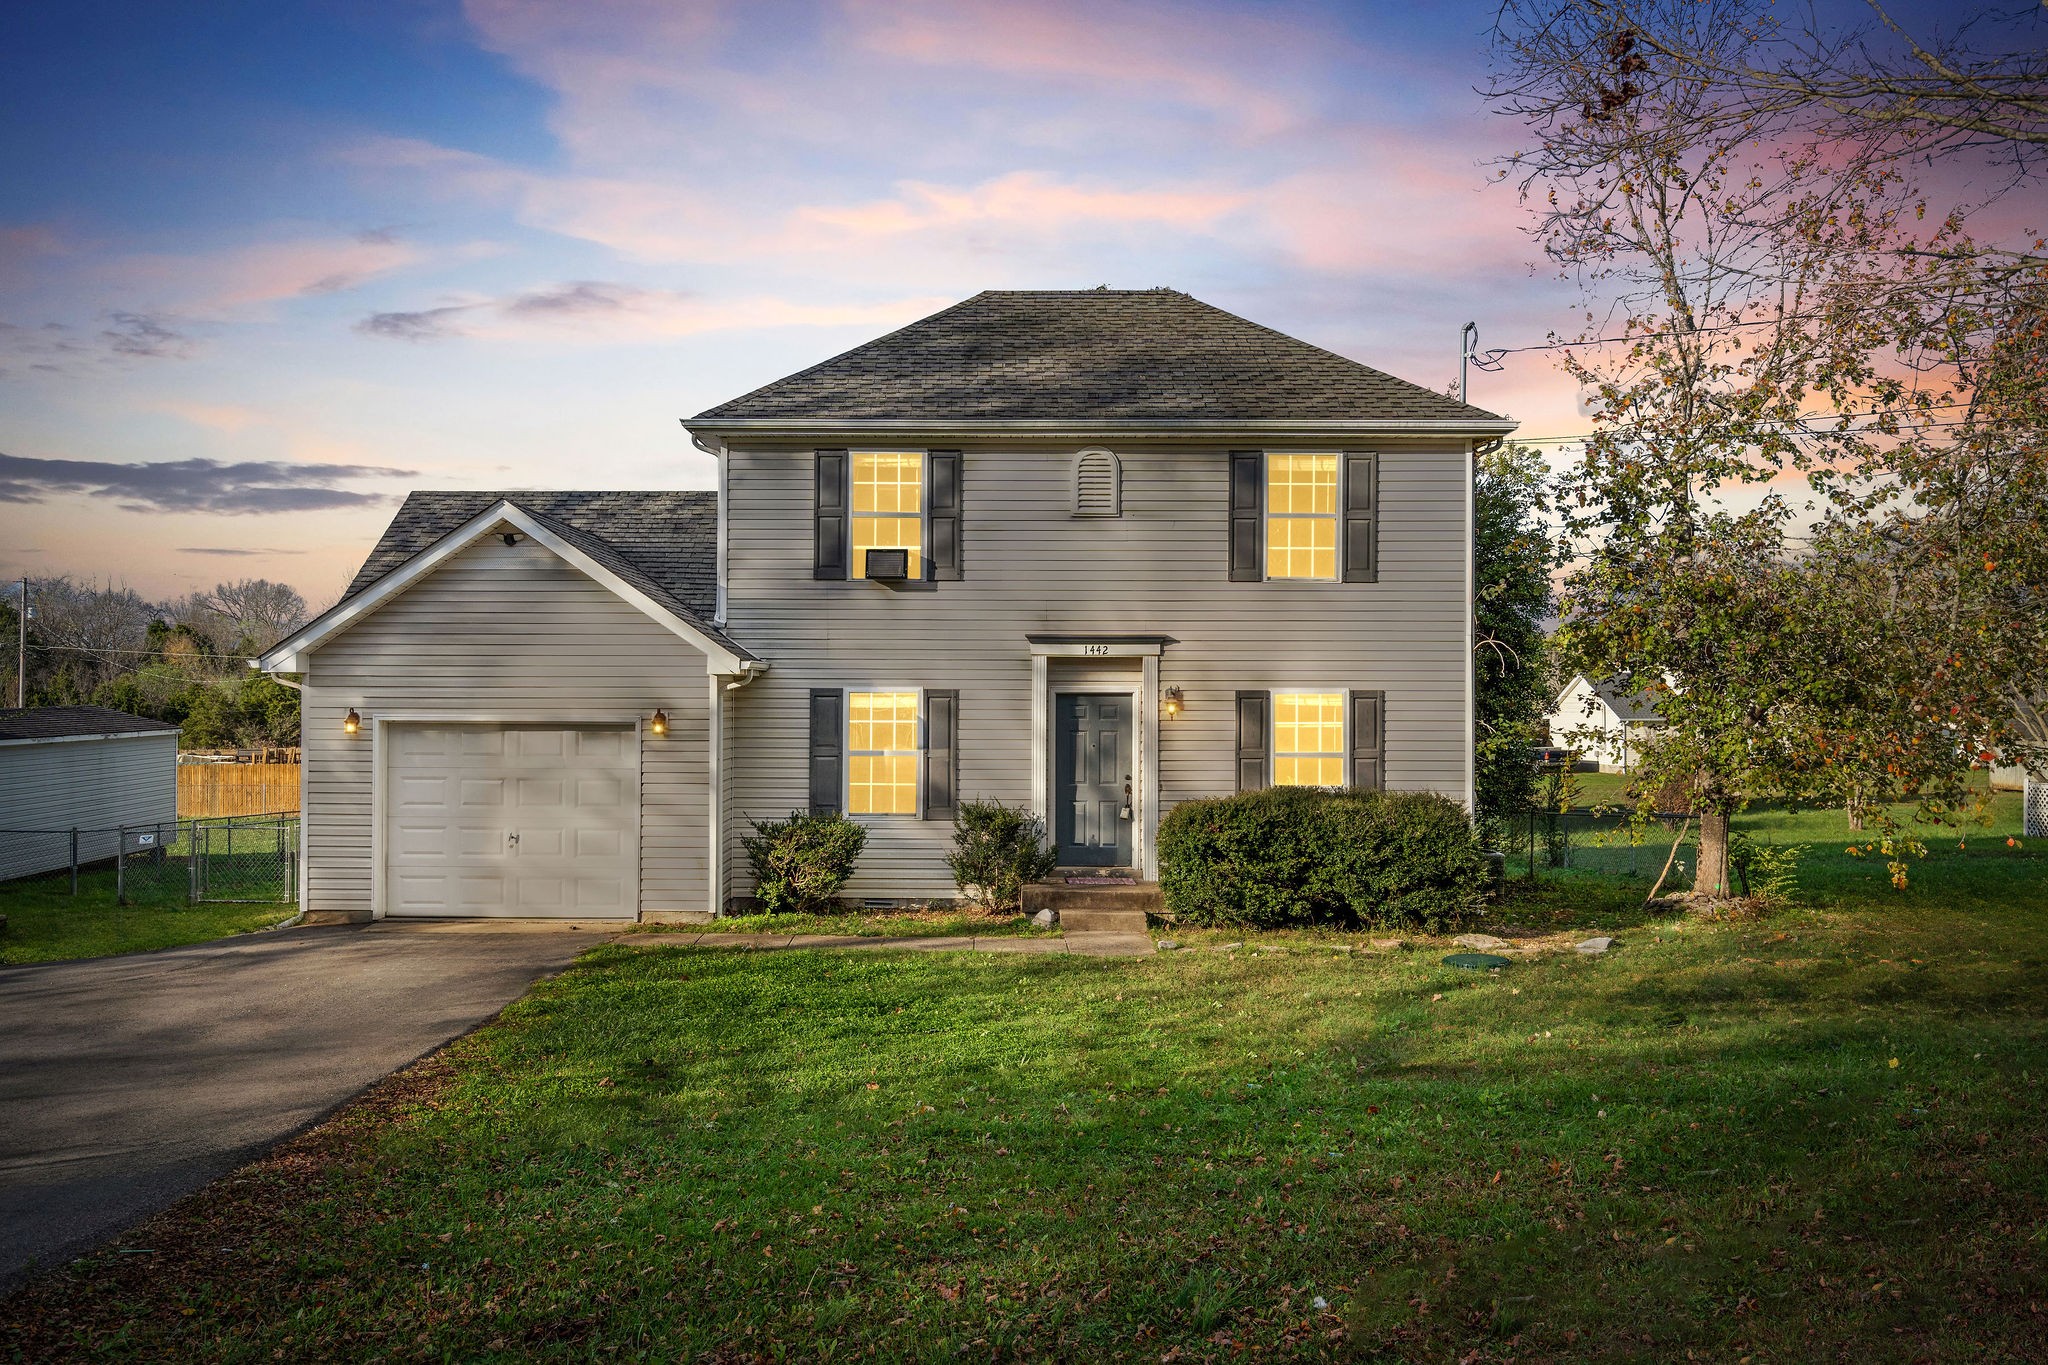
1818 416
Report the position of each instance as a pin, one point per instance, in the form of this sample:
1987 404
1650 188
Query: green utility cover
1478 962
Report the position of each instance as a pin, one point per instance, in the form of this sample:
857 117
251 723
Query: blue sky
265 266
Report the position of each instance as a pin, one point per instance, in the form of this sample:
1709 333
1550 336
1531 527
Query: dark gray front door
1092 780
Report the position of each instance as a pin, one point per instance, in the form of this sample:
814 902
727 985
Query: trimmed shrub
800 863
1306 855
996 851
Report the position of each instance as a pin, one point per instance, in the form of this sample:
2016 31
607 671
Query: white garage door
511 821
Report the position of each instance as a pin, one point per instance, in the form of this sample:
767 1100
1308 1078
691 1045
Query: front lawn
45 923
1822 1136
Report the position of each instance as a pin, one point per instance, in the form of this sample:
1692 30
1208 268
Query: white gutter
1462 426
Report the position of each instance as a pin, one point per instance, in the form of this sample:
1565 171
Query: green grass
866 924
1967 866
46 923
1817 1137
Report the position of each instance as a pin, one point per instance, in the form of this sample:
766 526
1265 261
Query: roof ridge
1130 356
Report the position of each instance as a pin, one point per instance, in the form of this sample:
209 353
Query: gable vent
1098 484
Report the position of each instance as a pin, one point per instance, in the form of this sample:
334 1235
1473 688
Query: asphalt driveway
126 1082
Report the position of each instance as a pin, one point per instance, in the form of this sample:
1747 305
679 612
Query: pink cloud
237 278
1024 199
1218 62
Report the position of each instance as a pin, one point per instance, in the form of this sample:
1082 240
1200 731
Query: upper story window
888 506
1304 516
1098 484
1308 739
1301 516
881 753
905 500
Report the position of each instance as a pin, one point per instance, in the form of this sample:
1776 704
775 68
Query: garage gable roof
589 552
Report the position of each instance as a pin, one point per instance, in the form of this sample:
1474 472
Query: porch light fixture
351 722
1170 702
660 723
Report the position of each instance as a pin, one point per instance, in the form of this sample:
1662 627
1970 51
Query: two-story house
1092 552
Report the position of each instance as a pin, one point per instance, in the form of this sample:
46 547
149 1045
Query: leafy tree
1513 556
1769 297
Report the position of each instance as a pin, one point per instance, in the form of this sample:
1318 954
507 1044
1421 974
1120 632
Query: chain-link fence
1606 843
250 859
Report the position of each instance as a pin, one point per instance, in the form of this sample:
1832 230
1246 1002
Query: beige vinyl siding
500 630
95 784
1030 566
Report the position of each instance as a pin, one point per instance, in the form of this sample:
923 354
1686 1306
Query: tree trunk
1712 877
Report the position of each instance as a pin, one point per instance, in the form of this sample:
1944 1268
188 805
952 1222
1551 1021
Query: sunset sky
265 266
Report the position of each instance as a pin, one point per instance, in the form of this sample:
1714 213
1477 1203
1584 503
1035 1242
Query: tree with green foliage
1809 520
1513 555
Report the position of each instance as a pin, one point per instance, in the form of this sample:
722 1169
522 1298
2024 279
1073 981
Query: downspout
1471 620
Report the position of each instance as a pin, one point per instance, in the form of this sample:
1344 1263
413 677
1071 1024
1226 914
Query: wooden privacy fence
207 791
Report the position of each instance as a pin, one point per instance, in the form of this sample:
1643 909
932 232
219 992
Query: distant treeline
184 662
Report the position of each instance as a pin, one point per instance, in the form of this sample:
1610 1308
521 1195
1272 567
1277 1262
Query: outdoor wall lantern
351 722
660 723
1170 702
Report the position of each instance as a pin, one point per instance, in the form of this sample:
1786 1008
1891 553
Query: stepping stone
1167 945
1598 944
1481 943
1478 962
1110 945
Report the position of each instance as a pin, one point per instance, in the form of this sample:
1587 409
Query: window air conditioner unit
887 566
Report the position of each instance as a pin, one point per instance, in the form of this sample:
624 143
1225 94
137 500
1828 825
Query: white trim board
286 657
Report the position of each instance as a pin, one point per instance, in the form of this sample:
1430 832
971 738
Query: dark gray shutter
828 749
941 754
1247 498
1369 740
1361 517
942 515
829 525
1253 740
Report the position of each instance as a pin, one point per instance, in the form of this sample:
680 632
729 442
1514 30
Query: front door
1092 780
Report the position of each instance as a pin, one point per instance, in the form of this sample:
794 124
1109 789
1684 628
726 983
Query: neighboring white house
1602 722
1089 552
85 768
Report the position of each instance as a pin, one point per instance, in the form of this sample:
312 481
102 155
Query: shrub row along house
1094 553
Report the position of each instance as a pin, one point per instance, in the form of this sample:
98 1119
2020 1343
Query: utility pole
21 657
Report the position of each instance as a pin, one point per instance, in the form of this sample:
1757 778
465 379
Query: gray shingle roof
1101 354
663 543
63 722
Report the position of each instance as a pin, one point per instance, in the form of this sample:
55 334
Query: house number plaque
1095 650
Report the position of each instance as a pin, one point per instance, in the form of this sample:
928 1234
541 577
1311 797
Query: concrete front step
1144 898
1092 921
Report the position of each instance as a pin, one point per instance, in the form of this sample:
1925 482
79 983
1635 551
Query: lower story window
881 753
1308 739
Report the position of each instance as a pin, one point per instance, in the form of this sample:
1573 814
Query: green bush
996 851
1767 873
800 863
1304 855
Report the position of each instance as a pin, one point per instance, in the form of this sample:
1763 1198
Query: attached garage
513 713
528 822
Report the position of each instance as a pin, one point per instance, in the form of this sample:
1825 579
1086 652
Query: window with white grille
1098 484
